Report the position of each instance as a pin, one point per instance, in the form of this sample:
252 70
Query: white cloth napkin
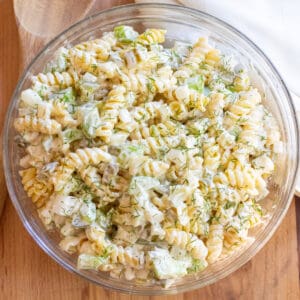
274 25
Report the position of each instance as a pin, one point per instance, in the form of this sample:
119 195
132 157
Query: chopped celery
198 127
59 62
90 119
165 266
74 185
197 266
30 98
142 182
88 211
128 151
88 90
125 34
87 261
66 96
70 135
77 221
181 49
88 86
196 83
65 205
104 220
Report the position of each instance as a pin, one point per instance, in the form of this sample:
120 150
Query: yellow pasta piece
83 60
101 47
147 166
125 256
186 241
77 160
34 124
63 79
195 58
110 111
152 36
214 242
37 190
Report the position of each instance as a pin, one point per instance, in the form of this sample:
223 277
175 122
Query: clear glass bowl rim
12 193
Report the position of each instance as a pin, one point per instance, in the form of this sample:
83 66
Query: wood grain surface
26 272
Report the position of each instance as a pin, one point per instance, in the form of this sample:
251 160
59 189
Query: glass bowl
186 25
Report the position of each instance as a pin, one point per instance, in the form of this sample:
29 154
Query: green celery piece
70 135
125 34
91 121
67 95
87 261
197 266
196 83
142 182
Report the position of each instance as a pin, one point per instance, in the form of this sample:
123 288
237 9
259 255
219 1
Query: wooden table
26 272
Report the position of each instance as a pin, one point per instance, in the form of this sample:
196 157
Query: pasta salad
150 161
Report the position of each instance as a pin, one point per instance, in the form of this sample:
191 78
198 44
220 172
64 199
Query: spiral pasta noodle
152 36
147 167
188 241
34 124
110 111
155 145
60 113
214 242
150 110
124 256
101 47
63 79
37 190
82 60
77 160
92 179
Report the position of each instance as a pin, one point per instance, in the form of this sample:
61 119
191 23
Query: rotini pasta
37 190
83 61
35 124
152 36
77 160
101 47
63 80
215 242
187 241
125 256
110 112
150 161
